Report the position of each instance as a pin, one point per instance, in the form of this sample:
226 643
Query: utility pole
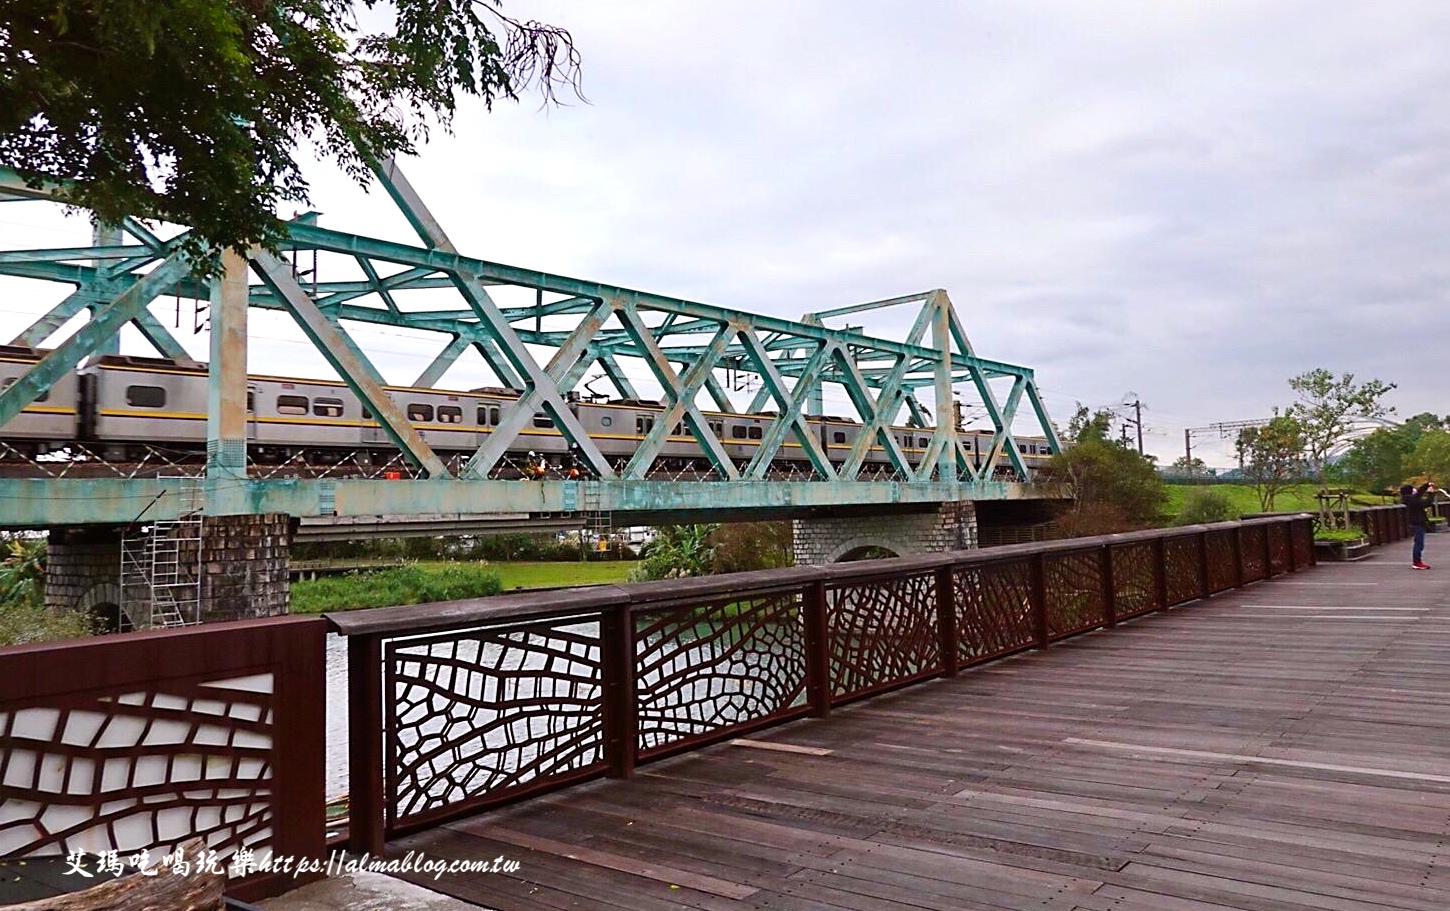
1136 421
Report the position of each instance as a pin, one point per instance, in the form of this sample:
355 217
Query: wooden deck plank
1238 753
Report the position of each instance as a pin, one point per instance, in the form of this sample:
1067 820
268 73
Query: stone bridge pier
834 538
233 568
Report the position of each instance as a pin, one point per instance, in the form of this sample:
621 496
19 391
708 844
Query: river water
336 748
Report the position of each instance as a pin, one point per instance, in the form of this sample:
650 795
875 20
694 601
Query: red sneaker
1419 566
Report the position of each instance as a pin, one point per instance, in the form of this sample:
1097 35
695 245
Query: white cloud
1190 200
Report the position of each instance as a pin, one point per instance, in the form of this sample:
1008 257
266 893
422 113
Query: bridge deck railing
461 706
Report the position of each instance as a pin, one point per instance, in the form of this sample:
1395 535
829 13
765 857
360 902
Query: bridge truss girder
686 346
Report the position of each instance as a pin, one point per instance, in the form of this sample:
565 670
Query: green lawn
443 581
560 575
1245 500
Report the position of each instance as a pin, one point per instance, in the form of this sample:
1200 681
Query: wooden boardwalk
1285 747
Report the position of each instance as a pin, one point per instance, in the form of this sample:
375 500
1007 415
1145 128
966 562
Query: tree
1194 468
1380 460
1113 487
190 111
1272 456
1430 458
1328 409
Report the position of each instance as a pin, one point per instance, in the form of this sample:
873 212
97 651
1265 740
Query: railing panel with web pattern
492 700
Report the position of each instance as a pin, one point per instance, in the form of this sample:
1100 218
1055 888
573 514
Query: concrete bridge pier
231 568
835 537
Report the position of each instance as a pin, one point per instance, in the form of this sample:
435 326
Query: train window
418 411
38 399
643 425
923 442
839 436
145 396
717 428
450 414
289 404
251 401
679 431
543 420
755 432
606 421
1022 448
738 432
327 408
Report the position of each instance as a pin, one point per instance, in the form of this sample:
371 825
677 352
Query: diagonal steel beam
680 395
791 414
445 359
43 328
354 369
543 393
876 415
103 325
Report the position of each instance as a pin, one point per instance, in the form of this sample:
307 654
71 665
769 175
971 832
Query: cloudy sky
1182 202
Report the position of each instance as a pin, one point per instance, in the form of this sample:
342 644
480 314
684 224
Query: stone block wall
826 540
83 567
243 568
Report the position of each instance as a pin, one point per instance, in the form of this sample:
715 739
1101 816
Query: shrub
744 546
404 585
1204 505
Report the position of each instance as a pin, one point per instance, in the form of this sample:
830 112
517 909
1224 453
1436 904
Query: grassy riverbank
1244 500
418 583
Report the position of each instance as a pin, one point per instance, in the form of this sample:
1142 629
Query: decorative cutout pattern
881 632
1134 582
1222 573
1253 553
1185 574
1303 543
475 713
1278 548
994 610
1074 593
702 669
127 770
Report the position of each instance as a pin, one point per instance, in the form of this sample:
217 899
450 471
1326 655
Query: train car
125 404
48 423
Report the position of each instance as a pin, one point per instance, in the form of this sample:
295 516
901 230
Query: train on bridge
118 406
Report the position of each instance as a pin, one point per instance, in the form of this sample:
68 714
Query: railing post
1160 572
1110 589
946 620
621 722
1238 549
818 651
366 809
1037 581
1291 533
1205 587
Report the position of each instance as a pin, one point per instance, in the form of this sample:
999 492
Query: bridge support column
244 566
83 569
240 573
830 539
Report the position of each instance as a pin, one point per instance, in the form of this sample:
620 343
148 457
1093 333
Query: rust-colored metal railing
142 741
465 705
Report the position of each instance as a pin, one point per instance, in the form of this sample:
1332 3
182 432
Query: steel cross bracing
543 347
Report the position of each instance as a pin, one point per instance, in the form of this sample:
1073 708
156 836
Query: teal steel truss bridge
548 341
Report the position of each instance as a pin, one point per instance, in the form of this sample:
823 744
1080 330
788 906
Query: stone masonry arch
829 538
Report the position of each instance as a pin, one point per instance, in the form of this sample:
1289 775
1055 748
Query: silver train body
120 405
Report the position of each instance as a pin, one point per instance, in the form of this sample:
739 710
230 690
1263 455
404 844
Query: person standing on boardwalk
1416 502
